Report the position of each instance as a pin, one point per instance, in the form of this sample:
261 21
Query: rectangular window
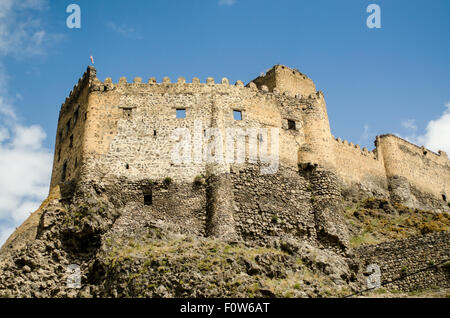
237 115
181 113
291 124
68 127
148 198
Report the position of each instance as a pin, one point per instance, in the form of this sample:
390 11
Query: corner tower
286 79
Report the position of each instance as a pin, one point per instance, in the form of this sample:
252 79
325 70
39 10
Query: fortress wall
356 165
71 131
132 123
410 169
132 132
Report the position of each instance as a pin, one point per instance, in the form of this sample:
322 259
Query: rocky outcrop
128 250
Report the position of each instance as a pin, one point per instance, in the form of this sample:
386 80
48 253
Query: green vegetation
274 218
167 181
380 291
373 221
212 265
404 270
200 180
364 238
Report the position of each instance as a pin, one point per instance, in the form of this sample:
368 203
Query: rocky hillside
373 221
127 253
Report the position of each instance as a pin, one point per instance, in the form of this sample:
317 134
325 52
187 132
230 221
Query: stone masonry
117 139
415 263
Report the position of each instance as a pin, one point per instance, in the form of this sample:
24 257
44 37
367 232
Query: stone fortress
114 139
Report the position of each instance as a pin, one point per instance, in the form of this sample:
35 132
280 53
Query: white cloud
367 137
25 164
409 124
25 170
6 109
437 133
226 2
21 32
125 31
5 232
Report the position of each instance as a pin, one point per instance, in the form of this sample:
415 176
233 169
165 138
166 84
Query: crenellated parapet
210 83
88 79
165 80
357 149
289 91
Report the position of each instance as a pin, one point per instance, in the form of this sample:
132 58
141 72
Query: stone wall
272 205
411 264
240 205
180 206
302 205
360 166
417 177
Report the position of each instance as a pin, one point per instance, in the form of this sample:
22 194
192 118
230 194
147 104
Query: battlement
166 82
280 80
85 81
440 157
357 149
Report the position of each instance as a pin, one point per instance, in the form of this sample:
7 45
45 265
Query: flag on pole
92 59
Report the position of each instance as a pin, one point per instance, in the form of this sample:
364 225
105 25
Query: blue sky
390 80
